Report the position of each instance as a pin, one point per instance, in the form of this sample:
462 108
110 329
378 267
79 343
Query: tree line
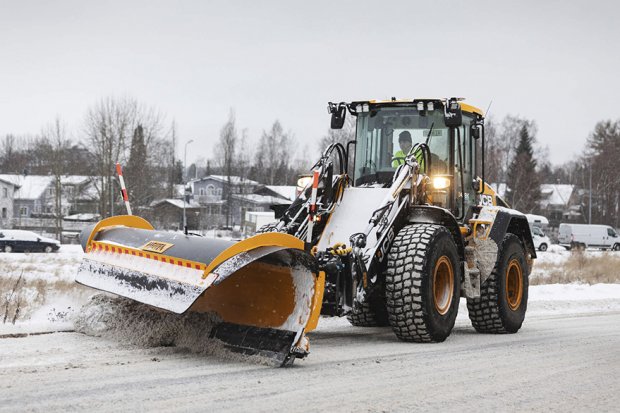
515 157
137 135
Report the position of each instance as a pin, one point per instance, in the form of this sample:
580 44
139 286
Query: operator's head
404 140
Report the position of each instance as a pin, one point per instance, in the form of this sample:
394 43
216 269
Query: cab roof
464 106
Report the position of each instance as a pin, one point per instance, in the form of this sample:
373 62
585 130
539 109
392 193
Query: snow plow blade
265 290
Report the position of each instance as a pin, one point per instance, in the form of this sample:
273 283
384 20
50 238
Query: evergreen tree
137 171
523 179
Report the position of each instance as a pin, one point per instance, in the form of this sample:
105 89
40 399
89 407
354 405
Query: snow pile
128 321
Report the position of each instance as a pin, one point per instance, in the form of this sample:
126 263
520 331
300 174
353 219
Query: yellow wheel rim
514 284
443 285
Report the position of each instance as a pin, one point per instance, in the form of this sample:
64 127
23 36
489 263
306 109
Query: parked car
541 241
584 236
14 240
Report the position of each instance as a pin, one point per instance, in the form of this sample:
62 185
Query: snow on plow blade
265 289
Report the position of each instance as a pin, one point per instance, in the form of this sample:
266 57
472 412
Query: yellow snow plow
265 290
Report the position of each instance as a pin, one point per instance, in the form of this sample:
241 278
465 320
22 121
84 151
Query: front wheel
543 247
8 248
617 247
423 283
503 297
48 249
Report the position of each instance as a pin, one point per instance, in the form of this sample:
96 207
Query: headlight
440 182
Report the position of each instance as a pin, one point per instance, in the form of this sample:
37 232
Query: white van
541 241
584 236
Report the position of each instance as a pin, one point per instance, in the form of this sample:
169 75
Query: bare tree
225 156
600 167
274 156
109 126
56 138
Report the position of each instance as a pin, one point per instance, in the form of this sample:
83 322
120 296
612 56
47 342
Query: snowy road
557 362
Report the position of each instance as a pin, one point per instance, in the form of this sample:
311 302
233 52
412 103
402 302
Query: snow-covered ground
49 299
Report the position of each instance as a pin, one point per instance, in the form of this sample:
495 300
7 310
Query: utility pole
590 203
185 185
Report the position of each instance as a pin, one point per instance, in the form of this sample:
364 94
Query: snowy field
39 292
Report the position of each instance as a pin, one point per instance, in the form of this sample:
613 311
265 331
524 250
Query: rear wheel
423 283
8 248
502 303
370 313
543 247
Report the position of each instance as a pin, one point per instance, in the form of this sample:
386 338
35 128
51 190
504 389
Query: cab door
464 152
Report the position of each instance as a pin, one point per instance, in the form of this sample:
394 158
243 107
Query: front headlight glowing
440 182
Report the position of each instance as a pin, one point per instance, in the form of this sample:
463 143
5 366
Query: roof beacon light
430 106
358 108
365 107
420 106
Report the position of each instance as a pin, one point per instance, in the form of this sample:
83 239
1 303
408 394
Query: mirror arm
483 150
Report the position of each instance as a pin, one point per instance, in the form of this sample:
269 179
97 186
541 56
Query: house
34 200
7 190
168 214
211 193
209 205
560 203
282 191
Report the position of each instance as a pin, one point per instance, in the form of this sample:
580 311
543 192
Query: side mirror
475 132
453 114
339 112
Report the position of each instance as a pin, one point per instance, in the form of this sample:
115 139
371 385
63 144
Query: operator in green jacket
405 143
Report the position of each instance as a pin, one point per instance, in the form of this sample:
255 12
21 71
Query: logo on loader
156 246
385 244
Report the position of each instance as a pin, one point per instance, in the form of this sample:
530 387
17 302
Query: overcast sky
557 62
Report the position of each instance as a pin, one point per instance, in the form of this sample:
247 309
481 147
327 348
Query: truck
588 236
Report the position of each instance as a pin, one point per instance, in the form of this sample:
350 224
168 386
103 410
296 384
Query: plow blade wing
265 289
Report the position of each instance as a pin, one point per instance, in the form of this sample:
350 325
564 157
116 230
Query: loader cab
383 129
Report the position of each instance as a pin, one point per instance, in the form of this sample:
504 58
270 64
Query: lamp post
185 186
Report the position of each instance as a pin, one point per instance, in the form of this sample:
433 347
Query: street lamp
185 186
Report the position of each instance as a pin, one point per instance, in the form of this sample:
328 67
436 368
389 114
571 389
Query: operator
405 143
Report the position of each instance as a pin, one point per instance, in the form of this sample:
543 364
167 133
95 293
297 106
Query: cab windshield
385 135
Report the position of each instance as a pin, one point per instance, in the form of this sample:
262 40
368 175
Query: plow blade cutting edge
265 290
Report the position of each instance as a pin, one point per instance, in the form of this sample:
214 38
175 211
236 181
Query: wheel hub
443 284
514 284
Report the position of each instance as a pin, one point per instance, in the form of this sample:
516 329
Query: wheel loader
391 229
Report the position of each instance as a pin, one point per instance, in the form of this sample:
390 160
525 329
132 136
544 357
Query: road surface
557 363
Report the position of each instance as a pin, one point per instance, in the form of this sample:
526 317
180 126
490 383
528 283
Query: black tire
543 247
371 313
501 309
616 247
423 283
